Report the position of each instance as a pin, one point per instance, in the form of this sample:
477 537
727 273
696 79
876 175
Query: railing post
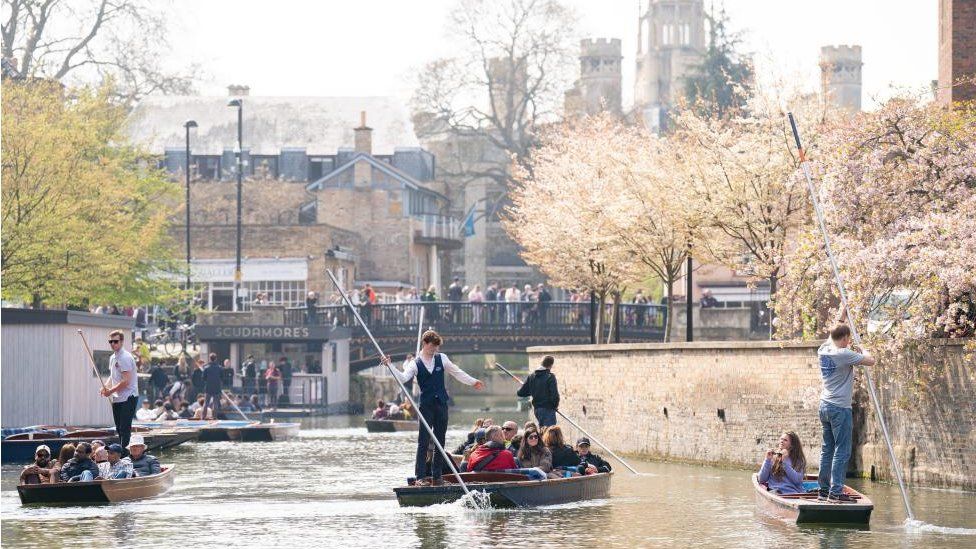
593 318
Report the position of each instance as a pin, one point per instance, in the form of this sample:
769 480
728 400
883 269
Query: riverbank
335 482
724 403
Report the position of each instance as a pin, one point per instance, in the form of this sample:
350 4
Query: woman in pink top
273 376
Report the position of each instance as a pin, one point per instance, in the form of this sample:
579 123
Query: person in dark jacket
196 380
80 468
541 386
212 384
583 449
143 464
158 380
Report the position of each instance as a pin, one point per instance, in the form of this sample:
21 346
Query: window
290 293
685 34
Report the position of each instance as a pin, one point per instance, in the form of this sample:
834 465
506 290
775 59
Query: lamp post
187 125
240 182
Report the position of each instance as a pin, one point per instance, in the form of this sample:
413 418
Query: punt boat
19 448
269 432
391 425
226 430
509 490
806 509
97 491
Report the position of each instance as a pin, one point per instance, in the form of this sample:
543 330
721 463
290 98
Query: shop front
318 355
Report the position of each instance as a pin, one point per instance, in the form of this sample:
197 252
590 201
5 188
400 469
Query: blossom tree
898 191
562 209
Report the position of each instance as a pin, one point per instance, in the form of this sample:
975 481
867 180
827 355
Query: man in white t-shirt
124 383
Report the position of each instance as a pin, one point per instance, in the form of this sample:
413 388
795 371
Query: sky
374 47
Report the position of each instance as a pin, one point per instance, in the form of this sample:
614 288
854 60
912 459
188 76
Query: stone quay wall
724 403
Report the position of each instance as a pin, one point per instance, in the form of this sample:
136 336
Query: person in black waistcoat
429 370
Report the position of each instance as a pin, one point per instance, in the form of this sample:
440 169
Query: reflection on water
332 486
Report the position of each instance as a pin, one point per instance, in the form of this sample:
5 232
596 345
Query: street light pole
187 125
240 183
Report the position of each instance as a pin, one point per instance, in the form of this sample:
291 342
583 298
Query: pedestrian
158 380
248 375
476 298
311 311
123 386
212 386
491 296
196 379
640 303
285 368
837 363
542 387
429 369
454 294
543 297
273 377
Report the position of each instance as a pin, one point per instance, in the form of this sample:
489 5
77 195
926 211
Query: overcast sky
371 47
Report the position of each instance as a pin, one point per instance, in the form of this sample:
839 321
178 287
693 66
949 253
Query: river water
332 487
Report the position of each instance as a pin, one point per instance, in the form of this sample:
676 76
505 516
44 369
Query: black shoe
840 498
821 495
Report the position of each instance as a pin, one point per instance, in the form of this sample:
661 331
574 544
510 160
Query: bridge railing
555 317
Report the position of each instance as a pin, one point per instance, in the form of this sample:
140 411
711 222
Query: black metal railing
557 317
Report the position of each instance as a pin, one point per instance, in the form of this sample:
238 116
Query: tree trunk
773 283
668 312
614 321
601 303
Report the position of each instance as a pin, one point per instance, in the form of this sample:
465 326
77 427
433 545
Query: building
840 76
670 45
599 86
320 192
957 51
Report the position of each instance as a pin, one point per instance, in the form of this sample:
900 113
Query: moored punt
509 490
97 491
208 431
806 509
391 425
19 448
269 432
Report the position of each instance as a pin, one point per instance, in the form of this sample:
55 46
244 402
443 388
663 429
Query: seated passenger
41 470
143 464
564 458
65 455
533 453
100 457
158 408
199 413
782 470
599 464
119 467
380 411
80 468
492 455
470 439
407 409
168 413
510 429
394 412
480 437
145 413
255 404
198 404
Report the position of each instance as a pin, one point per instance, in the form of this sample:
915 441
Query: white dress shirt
410 370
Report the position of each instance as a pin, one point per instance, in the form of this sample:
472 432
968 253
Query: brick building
957 50
320 192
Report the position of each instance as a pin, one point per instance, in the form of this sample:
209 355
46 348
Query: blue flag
468 227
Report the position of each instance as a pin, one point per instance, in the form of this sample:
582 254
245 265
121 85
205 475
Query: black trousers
436 416
122 413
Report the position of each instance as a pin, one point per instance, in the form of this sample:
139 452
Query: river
332 487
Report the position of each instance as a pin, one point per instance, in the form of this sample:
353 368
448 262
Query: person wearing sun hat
41 470
143 464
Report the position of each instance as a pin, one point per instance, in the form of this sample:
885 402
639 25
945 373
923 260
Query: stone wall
724 403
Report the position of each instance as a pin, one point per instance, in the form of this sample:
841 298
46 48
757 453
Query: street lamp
240 182
188 124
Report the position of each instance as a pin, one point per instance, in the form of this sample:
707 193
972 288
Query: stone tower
670 45
598 87
508 85
957 51
840 76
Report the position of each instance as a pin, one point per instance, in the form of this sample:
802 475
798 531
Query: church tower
599 85
840 74
670 45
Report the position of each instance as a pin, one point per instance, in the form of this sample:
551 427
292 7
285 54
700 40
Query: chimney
364 136
238 90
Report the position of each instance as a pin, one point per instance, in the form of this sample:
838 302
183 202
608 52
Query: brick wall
957 49
724 403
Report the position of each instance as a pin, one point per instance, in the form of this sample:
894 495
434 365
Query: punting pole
91 357
602 445
406 393
230 398
843 300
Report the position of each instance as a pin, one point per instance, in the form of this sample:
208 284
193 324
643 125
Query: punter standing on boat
837 363
124 384
429 369
541 386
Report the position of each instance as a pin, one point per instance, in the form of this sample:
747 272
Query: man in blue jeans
837 363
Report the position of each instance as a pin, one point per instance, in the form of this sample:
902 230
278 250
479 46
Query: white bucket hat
136 440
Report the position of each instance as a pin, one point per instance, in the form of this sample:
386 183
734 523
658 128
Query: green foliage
722 83
84 213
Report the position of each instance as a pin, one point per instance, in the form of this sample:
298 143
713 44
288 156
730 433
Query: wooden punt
509 490
269 432
20 448
97 491
391 425
806 509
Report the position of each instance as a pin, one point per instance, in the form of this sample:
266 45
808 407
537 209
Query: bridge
478 328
